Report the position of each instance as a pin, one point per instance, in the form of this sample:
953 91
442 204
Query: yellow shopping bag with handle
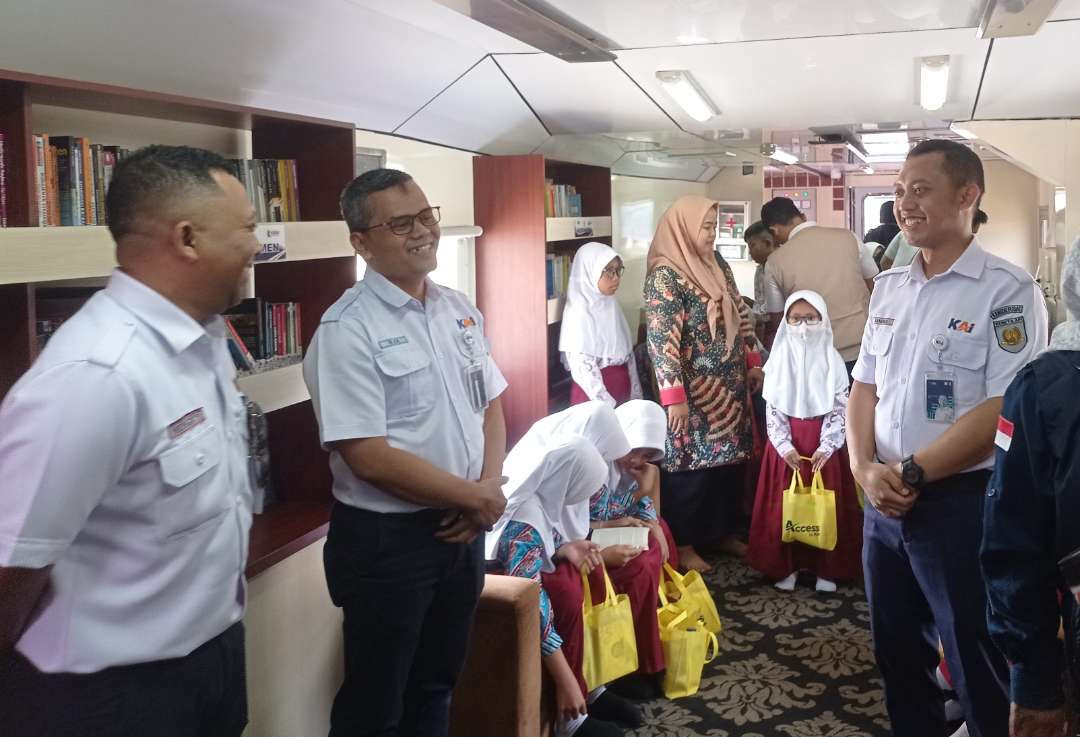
610 649
809 514
693 595
687 645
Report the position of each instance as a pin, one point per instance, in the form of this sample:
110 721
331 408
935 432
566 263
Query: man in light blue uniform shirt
407 398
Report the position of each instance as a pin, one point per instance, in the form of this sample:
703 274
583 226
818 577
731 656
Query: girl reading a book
595 339
806 394
547 473
629 499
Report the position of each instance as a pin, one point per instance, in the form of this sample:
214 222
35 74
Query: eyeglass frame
804 320
615 273
435 210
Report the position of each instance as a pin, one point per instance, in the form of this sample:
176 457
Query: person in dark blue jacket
1032 525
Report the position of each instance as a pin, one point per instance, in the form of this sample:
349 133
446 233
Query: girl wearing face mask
806 394
595 339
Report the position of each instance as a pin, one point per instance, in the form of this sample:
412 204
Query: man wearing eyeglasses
407 399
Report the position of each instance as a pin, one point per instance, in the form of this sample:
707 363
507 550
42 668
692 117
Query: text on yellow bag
809 514
610 650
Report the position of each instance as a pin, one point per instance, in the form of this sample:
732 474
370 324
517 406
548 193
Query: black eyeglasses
403 224
614 273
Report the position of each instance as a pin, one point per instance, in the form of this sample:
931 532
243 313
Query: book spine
299 331
65 180
279 328
295 189
3 183
108 166
99 185
41 184
260 326
87 170
249 360
51 183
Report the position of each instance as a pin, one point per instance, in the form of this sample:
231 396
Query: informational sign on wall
271 237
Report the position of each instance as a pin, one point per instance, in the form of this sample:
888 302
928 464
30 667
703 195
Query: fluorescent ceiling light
680 85
933 81
731 153
858 154
881 147
783 156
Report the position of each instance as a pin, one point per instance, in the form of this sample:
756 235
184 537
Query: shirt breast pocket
880 346
408 381
964 356
194 495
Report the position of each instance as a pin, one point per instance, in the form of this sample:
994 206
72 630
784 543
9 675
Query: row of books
561 201
271 186
71 176
259 330
557 274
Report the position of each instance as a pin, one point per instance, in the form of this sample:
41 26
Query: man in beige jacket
829 261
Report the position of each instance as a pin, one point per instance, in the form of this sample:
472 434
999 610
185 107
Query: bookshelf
522 324
48 272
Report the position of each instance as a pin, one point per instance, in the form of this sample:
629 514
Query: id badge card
474 382
940 397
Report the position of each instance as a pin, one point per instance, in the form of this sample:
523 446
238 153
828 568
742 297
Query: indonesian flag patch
1003 439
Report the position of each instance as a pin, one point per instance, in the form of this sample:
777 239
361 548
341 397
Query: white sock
566 729
788 584
825 585
595 694
962 731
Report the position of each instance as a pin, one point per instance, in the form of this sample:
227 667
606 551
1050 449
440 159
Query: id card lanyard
474 371
940 387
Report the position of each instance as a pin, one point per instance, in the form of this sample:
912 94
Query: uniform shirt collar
177 328
391 293
800 228
971 264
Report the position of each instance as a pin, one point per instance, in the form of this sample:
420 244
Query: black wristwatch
912 473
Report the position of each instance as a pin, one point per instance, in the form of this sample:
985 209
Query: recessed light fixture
731 154
784 157
857 153
933 81
681 86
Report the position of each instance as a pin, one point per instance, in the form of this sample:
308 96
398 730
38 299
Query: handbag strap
713 644
676 578
586 603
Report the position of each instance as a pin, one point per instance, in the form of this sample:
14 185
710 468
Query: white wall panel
1033 76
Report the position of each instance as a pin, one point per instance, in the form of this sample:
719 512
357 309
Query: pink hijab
674 246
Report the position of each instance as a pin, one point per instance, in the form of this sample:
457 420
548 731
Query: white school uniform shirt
982 320
384 364
123 454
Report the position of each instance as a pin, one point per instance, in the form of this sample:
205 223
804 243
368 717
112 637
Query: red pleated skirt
616 381
777 559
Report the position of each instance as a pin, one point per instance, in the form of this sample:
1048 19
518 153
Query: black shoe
637 687
593 727
611 707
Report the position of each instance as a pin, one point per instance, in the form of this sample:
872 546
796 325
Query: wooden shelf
568 229
273 390
35 255
283 529
555 307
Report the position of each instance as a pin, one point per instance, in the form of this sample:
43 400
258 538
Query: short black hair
354 198
153 176
756 229
962 165
779 211
980 218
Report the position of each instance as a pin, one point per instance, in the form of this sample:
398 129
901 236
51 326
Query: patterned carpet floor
796 664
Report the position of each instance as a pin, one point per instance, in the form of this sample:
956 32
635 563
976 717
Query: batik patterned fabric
518 553
690 363
608 504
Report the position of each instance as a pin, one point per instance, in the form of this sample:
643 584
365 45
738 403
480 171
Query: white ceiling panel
480 112
442 21
595 150
1027 76
816 81
659 167
582 98
1066 10
325 58
645 23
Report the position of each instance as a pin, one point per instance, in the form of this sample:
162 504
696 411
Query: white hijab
803 376
593 323
644 424
1067 334
568 472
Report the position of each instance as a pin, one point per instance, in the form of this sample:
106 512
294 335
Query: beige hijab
673 245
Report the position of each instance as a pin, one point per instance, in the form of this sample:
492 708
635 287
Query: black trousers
203 694
702 507
408 601
923 582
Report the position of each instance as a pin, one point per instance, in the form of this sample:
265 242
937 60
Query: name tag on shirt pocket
407 381
191 499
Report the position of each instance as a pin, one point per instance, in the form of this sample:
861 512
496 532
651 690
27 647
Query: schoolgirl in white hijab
1067 335
806 394
594 334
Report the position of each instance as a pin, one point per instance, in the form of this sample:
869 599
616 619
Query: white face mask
806 333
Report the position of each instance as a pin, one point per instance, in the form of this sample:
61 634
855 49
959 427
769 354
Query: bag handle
817 486
586 602
713 644
675 577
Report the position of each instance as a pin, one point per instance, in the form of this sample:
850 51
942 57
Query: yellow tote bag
610 650
693 595
809 513
687 646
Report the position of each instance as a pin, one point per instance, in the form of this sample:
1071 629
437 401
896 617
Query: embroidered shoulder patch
1011 334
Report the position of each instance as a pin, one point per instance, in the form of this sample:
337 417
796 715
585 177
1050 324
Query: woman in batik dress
701 342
